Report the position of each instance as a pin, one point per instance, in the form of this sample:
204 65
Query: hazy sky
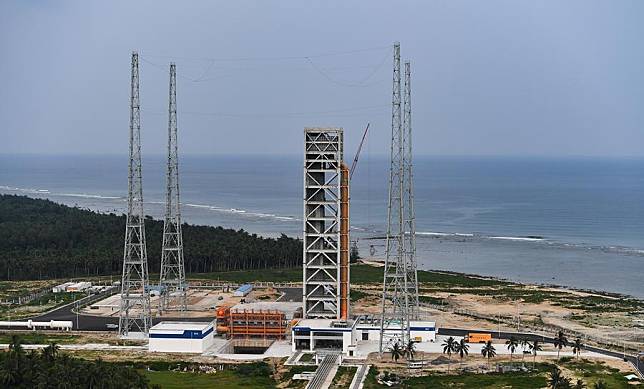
489 77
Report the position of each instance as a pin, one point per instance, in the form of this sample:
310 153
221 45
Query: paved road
291 294
99 323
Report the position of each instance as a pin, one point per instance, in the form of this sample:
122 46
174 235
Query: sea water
575 222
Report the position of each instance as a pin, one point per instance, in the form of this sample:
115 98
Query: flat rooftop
287 307
323 324
181 326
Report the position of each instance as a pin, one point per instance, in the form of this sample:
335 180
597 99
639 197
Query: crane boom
355 160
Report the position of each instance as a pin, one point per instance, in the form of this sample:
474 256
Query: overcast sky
488 77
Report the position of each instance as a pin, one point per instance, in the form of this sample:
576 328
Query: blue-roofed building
243 290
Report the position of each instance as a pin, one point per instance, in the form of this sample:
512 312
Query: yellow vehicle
477 337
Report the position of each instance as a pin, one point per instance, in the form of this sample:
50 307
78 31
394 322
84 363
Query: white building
79 286
181 337
309 334
62 287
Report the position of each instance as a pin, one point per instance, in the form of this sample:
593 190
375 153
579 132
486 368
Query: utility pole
134 315
172 275
398 300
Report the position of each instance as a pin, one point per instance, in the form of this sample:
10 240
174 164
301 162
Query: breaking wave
48 192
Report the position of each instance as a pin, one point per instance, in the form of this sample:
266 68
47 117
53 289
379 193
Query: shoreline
380 263
448 252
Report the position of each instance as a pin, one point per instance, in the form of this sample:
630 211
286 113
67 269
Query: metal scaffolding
134 315
172 275
323 157
399 293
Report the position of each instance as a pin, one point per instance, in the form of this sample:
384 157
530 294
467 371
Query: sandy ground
202 302
607 325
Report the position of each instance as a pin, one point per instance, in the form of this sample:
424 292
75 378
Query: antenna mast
173 276
134 315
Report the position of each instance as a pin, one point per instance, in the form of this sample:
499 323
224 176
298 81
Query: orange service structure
344 242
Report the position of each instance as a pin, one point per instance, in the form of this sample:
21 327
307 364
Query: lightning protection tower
134 315
408 187
173 276
398 300
323 157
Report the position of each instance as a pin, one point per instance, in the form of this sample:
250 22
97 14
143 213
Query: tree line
41 239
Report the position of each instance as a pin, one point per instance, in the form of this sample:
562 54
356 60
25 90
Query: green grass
472 380
360 274
357 295
591 372
343 377
39 338
227 379
518 380
263 275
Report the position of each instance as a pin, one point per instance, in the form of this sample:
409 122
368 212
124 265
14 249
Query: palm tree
512 345
556 380
449 346
462 349
51 352
576 347
535 346
410 350
396 351
601 384
560 342
525 344
579 385
488 351
16 344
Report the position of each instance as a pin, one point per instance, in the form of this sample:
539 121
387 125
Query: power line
281 58
360 83
282 114
308 59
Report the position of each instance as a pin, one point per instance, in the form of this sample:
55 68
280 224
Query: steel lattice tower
398 300
134 315
323 157
173 276
410 217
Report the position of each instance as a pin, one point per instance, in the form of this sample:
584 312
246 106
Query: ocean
575 222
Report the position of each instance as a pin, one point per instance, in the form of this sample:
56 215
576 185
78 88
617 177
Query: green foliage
275 275
42 239
227 379
532 380
397 351
253 369
37 337
50 369
593 372
357 295
354 254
